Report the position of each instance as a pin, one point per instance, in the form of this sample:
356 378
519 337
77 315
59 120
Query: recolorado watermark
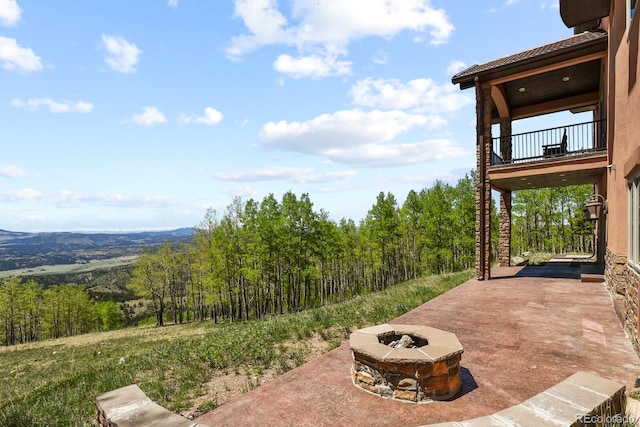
609 420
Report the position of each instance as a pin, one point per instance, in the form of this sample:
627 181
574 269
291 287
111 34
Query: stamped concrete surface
523 331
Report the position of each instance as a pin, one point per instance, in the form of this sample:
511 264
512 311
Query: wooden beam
550 67
591 98
500 99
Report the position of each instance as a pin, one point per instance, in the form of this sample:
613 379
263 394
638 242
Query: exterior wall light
595 206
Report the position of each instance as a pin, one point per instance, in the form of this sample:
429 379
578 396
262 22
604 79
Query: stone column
505 139
504 246
483 189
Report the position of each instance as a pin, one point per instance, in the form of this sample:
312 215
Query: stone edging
580 400
129 406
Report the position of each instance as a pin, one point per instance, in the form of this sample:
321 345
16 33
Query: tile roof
540 51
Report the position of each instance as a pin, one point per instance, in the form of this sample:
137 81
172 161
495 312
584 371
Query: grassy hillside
55 382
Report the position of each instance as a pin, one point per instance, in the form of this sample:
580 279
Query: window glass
634 220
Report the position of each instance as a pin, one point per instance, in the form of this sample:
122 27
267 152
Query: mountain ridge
19 250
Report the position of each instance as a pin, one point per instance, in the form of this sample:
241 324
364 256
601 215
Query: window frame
633 235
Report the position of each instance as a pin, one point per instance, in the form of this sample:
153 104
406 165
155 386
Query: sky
140 115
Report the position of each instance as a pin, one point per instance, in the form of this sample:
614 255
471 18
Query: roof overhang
577 12
563 75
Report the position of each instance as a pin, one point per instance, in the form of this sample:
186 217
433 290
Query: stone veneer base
424 374
622 282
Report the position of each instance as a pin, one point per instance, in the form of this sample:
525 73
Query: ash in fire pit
405 341
406 362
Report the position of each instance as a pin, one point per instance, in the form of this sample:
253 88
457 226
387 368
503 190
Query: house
596 71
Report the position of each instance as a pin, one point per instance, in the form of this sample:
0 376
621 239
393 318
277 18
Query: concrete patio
523 331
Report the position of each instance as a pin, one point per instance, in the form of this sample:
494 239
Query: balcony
550 144
546 158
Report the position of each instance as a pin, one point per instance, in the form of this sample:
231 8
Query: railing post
505 140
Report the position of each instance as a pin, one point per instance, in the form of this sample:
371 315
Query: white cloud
9 12
340 22
10 171
172 3
303 175
385 155
20 195
149 116
553 4
211 117
16 58
121 56
311 66
455 67
418 95
245 191
54 107
360 138
381 58
329 26
265 24
550 4
68 199
339 130
328 177
265 174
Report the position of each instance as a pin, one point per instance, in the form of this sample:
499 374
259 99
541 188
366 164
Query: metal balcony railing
558 142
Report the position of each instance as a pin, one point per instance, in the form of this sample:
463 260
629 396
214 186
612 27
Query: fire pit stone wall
428 370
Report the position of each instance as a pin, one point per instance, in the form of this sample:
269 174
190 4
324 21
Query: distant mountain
28 250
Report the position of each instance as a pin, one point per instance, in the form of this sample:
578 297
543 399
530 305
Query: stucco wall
624 136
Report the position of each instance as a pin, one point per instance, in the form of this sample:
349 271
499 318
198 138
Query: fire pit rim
441 344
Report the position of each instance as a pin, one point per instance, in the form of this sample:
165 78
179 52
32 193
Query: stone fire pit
406 362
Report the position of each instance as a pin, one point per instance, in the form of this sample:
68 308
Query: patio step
592 278
582 399
129 406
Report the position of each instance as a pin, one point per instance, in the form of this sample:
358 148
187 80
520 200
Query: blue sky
140 115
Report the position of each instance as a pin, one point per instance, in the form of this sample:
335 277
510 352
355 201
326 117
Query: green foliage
552 220
30 313
265 258
56 382
109 315
277 257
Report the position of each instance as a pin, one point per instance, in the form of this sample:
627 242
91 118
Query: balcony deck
560 156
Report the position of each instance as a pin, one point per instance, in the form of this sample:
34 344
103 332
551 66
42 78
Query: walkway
522 333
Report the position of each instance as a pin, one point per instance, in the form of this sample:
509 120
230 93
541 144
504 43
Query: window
631 8
634 220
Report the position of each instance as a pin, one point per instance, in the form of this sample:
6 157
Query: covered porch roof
562 75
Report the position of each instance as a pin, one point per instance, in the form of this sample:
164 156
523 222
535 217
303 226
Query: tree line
277 256
30 313
552 220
